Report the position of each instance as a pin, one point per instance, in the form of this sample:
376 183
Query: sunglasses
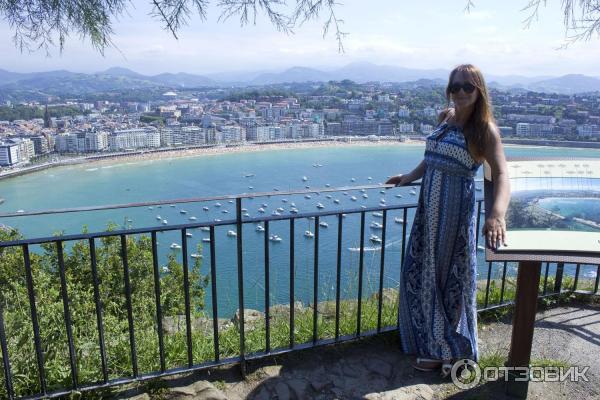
466 87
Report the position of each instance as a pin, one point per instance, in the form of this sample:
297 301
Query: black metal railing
239 221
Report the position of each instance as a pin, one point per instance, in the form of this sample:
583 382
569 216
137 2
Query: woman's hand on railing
399 180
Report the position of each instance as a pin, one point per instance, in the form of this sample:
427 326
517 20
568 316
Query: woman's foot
427 364
446 368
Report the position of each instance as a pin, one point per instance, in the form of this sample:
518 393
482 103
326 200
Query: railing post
34 319
240 264
67 312
559 276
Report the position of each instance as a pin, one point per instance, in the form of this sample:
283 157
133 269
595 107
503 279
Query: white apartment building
16 151
134 139
523 129
232 134
404 127
9 154
176 135
96 141
588 130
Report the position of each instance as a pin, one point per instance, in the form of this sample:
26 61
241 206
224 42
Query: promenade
376 369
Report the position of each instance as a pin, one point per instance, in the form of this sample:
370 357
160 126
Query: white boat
307 187
336 201
225 211
478 189
293 204
382 191
363 207
375 239
217 204
382 200
377 214
261 210
275 190
248 175
319 206
274 238
158 217
275 212
324 224
189 234
164 221
480 248
294 210
399 196
344 215
280 209
205 208
328 196
205 228
307 196
304 178
217 220
231 233
363 191
284 200
376 225
352 179
196 255
175 246
327 185
206 240
244 210
150 208
172 205
230 201
309 234
311 218
265 205
182 211
353 198
369 178
414 193
193 218
246 215
260 228
250 187
398 220
345 193
365 196
129 220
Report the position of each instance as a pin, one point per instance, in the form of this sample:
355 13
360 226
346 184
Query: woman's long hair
477 128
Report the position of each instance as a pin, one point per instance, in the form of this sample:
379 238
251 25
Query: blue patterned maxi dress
437 314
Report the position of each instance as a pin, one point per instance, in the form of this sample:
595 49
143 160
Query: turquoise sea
265 171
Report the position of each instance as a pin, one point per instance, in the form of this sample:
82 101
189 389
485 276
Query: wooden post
528 279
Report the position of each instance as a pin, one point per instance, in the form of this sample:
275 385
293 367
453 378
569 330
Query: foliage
11 113
80 288
38 23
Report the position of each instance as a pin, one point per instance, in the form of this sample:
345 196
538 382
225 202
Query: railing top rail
162 228
196 200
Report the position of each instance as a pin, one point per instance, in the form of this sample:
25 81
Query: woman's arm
494 228
400 180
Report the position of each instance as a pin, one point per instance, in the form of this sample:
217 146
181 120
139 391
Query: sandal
446 368
420 367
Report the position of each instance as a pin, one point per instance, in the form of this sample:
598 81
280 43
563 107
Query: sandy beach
168 153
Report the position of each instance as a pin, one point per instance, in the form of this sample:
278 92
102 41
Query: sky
425 34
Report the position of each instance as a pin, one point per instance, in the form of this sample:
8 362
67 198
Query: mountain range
118 78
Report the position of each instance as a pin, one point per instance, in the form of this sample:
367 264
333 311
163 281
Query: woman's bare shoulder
445 115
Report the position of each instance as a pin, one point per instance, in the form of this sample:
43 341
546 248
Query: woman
438 310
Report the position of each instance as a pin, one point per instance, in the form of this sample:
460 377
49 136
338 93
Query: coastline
172 153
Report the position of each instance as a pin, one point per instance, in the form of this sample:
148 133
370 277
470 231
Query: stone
263 394
298 387
283 310
282 391
200 390
389 295
319 382
269 371
413 392
143 396
252 318
379 367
